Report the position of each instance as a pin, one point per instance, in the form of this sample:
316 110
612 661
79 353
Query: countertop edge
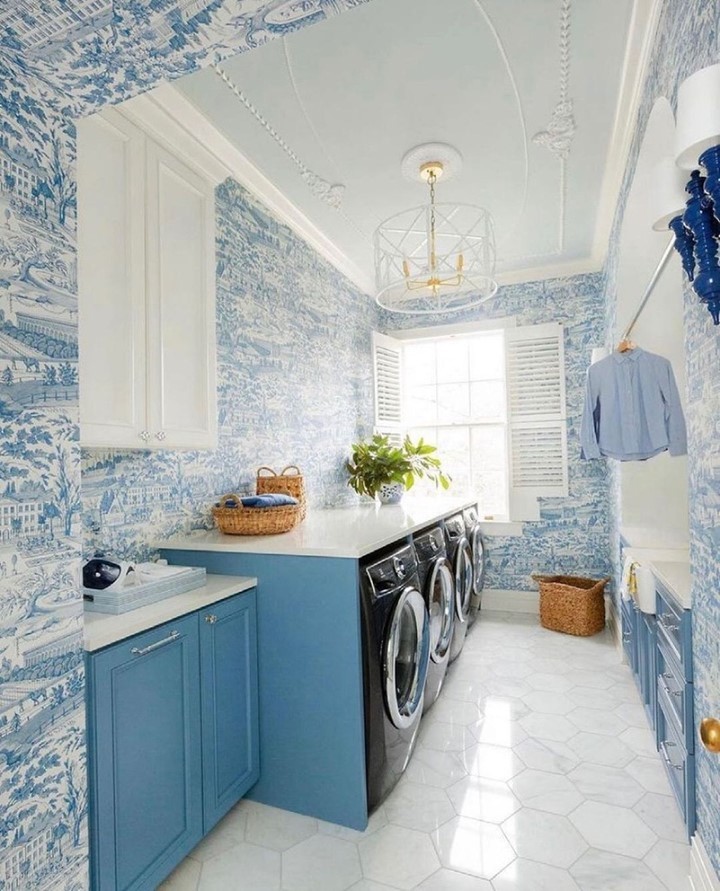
682 596
104 629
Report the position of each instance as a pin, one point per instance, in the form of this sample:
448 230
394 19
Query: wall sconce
697 144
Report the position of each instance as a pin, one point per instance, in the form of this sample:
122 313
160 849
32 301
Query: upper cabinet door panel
111 278
181 303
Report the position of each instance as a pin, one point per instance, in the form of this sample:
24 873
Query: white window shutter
387 363
537 428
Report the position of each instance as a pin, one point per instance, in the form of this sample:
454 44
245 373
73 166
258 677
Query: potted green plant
379 467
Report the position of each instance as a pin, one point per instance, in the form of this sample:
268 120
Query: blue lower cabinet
229 695
628 634
173 740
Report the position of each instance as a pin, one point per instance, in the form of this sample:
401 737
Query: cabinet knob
144 435
211 619
160 435
710 734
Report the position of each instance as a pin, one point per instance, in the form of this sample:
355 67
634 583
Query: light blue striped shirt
632 408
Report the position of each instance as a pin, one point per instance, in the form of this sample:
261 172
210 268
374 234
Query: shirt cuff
590 451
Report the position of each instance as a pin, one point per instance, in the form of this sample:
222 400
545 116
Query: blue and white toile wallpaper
688 38
572 535
294 387
60 60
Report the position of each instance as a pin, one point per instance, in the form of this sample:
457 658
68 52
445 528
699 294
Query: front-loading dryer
461 563
396 653
471 516
437 586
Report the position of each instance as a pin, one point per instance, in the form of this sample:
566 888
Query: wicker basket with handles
255 520
571 604
289 480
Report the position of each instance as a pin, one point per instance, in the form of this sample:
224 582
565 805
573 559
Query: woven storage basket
571 604
272 483
255 520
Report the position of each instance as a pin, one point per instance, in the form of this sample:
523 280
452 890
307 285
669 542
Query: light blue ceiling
351 95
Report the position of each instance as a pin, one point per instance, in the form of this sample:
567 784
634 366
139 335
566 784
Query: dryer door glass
478 559
407 651
463 580
440 599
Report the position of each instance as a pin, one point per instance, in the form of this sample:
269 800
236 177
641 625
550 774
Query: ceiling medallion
435 258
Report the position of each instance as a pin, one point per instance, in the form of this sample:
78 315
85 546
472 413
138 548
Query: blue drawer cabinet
628 634
228 676
680 765
173 740
647 664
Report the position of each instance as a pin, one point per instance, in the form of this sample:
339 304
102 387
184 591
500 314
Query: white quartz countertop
103 629
655 537
350 532
675 575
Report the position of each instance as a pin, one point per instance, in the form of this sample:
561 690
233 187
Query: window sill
501 527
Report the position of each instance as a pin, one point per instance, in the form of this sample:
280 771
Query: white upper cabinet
146 272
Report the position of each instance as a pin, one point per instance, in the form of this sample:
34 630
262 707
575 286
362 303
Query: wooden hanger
626 345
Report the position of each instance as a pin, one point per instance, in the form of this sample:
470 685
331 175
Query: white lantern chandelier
436 258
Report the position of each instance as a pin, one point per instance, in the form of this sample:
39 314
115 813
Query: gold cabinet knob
710 734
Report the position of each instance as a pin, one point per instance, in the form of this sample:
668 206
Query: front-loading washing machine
471 516
396 653
461 563
438 589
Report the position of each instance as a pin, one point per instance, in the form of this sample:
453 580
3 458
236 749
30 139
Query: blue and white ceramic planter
391 493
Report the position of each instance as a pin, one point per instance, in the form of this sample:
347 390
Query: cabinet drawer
679 765
678 693
674 630
628 634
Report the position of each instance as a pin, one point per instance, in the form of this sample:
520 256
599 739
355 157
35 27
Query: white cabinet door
111 280
180 282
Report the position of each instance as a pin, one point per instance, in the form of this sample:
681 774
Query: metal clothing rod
651 287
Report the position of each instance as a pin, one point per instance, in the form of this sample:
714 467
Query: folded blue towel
276 500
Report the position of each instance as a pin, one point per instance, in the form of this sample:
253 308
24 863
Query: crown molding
176 120
638 52
583 266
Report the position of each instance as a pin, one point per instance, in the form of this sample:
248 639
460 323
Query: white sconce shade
698 116
668 193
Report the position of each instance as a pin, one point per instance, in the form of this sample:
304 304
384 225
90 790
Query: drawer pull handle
627 637
211 619
142 651
144 435
666 757
669 626
667 675
677 693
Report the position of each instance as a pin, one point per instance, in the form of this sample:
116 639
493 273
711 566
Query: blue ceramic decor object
684 245
710 161
700 219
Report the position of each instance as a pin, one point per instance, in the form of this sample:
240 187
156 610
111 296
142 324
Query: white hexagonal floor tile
633 713
376 821
541 726
321 863
512 687
589 697
452 711
527 875
615 829
184 878
449 880
661 814
549 665
417 806
482 799
670 861
640 740
274 828
445 737
610 785
548 702
651 775
506 708
498 732
491 762
547 838
599 749
552 683
472 846
464 689
433 768
596 679
367 885
544 791
546 754
401 857
259 868
596 720
601 871
510 669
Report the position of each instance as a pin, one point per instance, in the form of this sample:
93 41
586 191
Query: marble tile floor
534 771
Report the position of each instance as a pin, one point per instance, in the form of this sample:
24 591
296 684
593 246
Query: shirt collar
629 356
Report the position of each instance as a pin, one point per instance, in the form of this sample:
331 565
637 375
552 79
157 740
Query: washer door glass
463 580
440 597
478 559
407 651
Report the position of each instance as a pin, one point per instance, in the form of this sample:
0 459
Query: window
492 401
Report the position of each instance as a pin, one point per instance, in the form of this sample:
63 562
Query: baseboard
615 625
498 600
702 875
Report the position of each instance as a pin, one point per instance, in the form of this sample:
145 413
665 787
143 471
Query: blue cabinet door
228 677
145 751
